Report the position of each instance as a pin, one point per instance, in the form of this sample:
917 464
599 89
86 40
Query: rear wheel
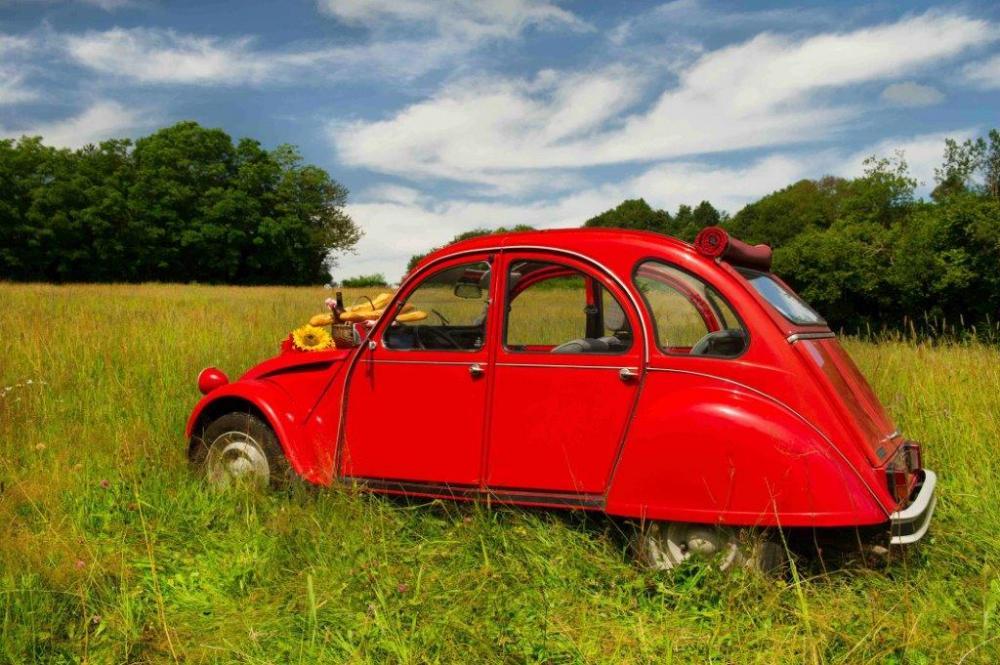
241 448
666 545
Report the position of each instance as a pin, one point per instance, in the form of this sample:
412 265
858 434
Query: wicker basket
344 335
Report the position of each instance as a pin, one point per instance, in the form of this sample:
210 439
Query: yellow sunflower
312 338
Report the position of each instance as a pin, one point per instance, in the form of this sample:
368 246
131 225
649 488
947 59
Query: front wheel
240 448
666 545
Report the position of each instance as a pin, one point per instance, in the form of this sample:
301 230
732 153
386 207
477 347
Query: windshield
787 303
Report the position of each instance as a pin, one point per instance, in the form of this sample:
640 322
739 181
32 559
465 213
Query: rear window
782 299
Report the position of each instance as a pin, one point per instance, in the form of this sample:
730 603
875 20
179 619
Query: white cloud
400 221
909 93
768 91
984 74
164 56
102 120
468 19
12 90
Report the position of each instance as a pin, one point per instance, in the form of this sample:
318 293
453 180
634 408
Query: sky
442 116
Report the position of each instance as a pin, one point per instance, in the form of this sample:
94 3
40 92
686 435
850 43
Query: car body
697 389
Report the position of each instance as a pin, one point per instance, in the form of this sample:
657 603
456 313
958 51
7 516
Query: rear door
566 376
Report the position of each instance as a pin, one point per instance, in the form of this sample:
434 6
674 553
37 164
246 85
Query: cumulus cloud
984 74
164 56
12 88
401 221
101 120
767 91
909 93
469 19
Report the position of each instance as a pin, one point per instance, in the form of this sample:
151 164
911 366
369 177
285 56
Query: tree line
183 204
865 251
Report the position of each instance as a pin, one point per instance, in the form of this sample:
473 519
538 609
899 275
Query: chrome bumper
910 524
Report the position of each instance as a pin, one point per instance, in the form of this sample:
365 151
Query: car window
788 304
552 308
446 312
690 317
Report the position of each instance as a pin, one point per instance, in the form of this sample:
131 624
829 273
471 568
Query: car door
566 375
416 397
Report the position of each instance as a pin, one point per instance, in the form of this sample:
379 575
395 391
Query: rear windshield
787 303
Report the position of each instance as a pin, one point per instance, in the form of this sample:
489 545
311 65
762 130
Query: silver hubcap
237 456
665 545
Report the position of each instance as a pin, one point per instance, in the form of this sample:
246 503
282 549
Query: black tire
240 441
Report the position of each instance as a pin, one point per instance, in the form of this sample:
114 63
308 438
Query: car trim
608 273
798 415
909 525
616 367
474 492
811 335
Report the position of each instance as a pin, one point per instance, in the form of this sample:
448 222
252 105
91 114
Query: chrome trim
909 525
610 274
812 335
565 366
382 361
502 495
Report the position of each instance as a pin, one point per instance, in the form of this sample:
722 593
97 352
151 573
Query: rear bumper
909 525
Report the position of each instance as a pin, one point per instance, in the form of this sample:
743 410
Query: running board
468 492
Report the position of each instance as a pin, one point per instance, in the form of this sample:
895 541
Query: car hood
296 360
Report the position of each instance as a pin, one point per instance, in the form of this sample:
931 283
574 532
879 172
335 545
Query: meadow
112 551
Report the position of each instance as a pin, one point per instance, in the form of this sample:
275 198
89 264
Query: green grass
112 551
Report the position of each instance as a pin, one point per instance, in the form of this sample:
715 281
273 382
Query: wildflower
311 338
80 564
39 447
105 483
402 588
96 619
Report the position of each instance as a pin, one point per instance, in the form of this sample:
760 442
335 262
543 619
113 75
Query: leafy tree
466 235
182 204
363 281
632 214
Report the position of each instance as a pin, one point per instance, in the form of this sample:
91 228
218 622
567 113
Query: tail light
901 471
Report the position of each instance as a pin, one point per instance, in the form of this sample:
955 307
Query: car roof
582 240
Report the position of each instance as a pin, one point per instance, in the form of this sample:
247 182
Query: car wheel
665 545
241 448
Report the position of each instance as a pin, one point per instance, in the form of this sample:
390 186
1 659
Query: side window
552 308
446 312
690 317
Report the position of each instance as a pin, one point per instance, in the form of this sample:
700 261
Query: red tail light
901 471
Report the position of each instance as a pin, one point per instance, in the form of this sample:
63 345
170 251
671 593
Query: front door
416 399
567 372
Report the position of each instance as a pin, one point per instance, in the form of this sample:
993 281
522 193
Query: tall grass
112 551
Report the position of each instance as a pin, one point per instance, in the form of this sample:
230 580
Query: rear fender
712 451
300 444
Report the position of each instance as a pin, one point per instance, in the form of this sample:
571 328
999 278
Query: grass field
112 551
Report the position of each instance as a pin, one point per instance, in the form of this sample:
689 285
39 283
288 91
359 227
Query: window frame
584 273
747 273
654 324
420 280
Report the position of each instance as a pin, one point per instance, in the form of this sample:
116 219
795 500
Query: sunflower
311 338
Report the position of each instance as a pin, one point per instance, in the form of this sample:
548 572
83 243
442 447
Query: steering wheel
420 331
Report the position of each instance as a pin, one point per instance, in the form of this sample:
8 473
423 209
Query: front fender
277 407
706 450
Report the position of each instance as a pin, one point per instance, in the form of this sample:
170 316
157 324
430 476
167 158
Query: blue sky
446 115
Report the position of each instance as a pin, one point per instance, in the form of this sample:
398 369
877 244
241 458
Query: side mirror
468 290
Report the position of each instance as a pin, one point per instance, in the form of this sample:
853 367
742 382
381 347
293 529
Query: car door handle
476 370
627 374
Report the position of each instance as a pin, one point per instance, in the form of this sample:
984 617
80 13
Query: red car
683 386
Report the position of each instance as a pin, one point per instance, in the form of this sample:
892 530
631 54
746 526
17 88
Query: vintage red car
685 387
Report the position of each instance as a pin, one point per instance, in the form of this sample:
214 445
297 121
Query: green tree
632 214
182 204
466 235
